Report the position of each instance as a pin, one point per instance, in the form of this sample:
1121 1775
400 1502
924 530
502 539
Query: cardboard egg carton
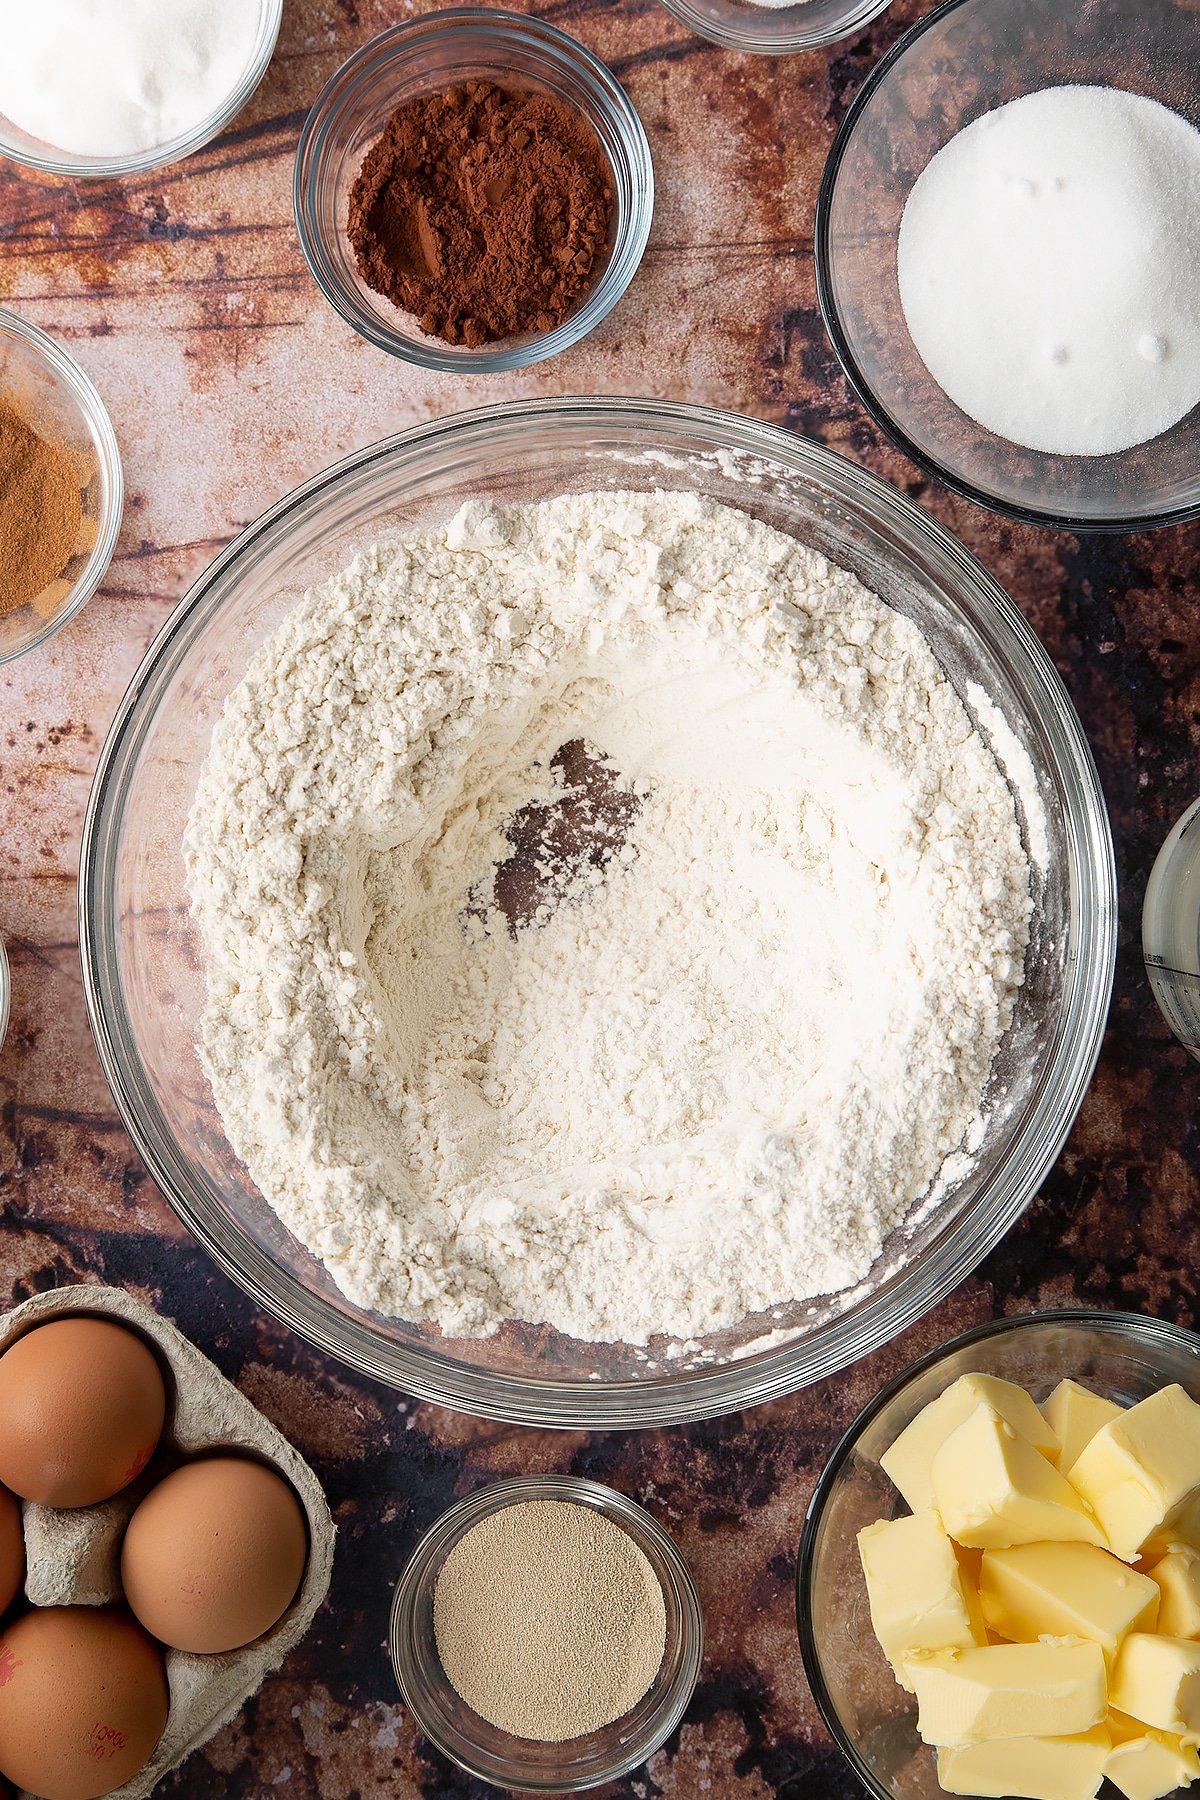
73 1557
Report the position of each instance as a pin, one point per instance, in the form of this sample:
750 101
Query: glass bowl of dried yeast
552 1601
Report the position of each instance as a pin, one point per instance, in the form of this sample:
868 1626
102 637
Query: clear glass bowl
1171 930
776 30
493 1755
50 390
145 984
1124 1356
423 56
36 154
961 60
5 993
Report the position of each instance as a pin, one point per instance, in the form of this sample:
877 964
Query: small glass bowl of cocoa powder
61 488
531 1765
446 76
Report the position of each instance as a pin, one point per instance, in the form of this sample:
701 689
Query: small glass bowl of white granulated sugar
599 1571
1007 245
102 89
775 27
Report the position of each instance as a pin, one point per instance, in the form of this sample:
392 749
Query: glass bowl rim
92 410
608 95
176 149
857 15
1058 518
483 1502
5 992
1134 1325
668 1398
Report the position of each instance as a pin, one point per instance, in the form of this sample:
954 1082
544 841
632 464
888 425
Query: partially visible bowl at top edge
48 159
776 30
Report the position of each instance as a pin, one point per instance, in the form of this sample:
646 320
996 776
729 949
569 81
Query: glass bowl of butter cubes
998 1587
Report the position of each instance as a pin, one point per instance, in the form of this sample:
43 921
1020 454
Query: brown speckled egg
83 1700
82 1405
12 1551
214 1554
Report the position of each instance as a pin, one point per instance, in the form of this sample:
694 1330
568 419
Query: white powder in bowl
1049 267
109 78
641 1035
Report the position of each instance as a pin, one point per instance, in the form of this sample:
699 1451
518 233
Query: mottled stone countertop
229 380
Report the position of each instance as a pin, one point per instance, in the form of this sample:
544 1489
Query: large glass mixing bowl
145 983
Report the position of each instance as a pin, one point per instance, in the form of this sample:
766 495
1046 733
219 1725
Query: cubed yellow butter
1146 1764
1157 1680
993 1488
1034 1768
1007 1690
1065 1590
1177 1578
970 1562
1181 1532
1139 1472
918 1595
1075 1415
910 1460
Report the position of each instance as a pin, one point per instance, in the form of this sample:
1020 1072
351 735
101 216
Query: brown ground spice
40 511
482 211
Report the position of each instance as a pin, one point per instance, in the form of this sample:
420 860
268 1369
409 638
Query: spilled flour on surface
610 915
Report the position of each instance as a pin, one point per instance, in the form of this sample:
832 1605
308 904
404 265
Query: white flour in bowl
610 916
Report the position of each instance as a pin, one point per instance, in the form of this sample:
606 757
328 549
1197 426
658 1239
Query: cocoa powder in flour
482 211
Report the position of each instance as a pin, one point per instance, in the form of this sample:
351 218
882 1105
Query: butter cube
1177 1578
1157 1680
1075 1415
918 1595
993 1488
1146 1764
1007 1690
1065 1590
1035 1768
1140 1471
1181 1532
910 1460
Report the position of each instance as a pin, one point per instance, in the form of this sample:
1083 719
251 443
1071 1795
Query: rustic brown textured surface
185 297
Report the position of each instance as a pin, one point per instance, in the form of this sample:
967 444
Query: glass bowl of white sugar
646 1076
1008 252
776 27
103 89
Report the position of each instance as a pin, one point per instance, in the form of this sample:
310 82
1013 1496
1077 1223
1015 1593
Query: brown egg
83 1700
82 1405
12 1551
214 1554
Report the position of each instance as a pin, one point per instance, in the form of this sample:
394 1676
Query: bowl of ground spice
547 1634
473 191
61 489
